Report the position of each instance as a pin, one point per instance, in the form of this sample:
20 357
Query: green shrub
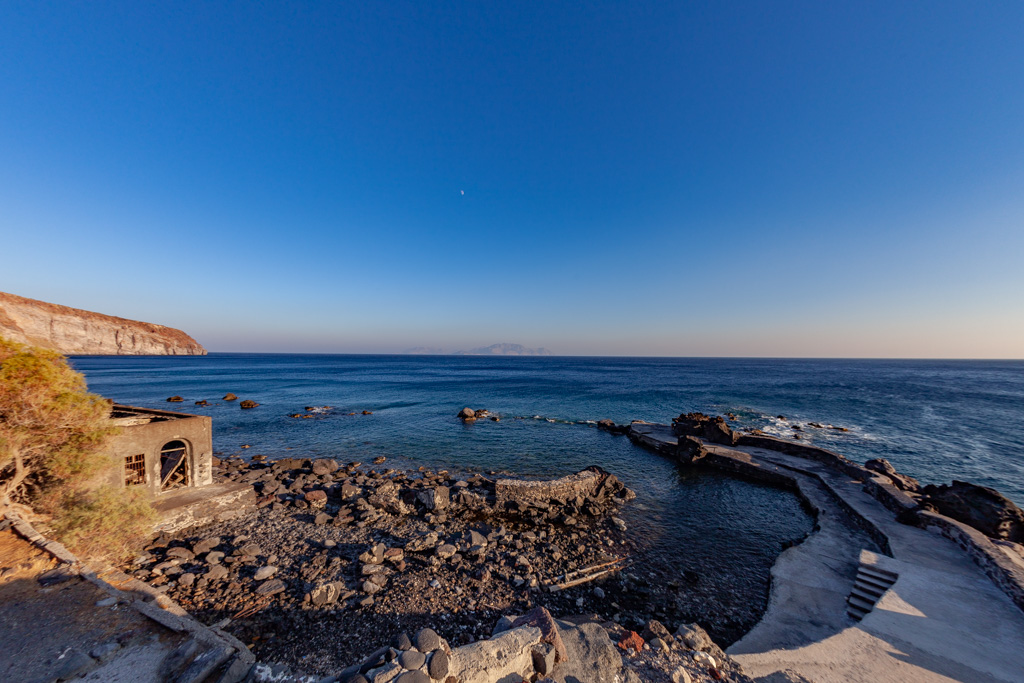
53 436
106 521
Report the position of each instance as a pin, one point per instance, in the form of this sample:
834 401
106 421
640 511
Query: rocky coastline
338 560
367 574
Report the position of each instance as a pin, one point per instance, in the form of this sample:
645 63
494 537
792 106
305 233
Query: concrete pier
930 611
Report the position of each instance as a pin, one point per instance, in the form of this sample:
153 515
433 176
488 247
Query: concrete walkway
943 619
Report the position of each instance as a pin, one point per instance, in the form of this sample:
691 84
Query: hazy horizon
743 180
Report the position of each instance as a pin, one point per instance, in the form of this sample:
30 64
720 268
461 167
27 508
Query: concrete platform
189 507
942 619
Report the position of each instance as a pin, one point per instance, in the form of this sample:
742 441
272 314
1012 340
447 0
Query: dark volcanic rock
438 667
900 481
985 509
427 640
609 426
714 429
690 449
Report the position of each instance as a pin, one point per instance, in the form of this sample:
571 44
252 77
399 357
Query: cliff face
76 332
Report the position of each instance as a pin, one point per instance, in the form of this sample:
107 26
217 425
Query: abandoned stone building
160 450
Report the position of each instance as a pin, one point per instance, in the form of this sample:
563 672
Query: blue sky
757 179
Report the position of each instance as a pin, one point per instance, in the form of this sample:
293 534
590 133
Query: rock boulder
985 509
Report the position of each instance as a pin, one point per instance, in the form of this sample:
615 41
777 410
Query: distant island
492 350
73 331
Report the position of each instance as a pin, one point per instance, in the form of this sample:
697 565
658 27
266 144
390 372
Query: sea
933 420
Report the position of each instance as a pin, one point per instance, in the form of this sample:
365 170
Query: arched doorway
174 465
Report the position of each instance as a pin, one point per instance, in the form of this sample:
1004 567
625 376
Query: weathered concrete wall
581 484
996 565
149 438
76 332
185 508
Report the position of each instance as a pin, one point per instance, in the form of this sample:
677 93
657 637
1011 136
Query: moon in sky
462 192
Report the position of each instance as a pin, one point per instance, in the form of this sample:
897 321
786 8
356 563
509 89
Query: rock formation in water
73 331
983 508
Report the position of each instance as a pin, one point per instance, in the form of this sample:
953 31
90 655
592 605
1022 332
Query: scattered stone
316 498
175 399
229 397
631 641
272 587
248 404
205 545
413 677
326 594
435 498
681 675
540 618
322 466
264 573
439 665
216 572
427 640
412 659
251 549
183 553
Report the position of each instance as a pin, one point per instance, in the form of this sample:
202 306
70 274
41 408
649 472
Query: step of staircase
870 585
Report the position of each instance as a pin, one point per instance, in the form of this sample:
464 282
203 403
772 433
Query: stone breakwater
74 331
829 618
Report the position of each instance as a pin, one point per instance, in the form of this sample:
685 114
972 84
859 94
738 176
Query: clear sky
718 178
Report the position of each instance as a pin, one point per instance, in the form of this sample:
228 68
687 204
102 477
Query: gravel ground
337 560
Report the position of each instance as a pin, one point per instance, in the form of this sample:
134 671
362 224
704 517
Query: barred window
135 469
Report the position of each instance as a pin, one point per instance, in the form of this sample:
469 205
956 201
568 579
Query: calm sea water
933 420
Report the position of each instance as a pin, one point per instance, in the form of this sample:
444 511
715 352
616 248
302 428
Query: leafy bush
53 434
106 521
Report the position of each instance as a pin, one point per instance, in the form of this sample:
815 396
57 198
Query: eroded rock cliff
76 332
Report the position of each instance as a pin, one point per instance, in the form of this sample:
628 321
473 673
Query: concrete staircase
872 581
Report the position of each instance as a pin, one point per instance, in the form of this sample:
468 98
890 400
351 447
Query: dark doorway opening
174 465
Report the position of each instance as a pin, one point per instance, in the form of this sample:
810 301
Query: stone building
160 450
